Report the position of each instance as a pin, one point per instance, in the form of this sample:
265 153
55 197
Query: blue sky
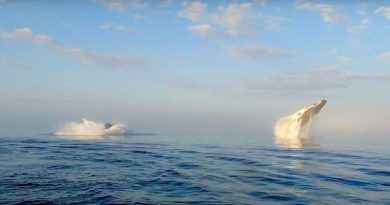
194 67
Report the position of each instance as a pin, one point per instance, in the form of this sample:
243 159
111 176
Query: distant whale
292 131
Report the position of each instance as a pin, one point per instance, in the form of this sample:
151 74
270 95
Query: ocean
130 170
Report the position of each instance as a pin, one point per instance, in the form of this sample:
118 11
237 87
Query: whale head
303 116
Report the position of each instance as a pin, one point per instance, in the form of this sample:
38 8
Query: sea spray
91 129
292 131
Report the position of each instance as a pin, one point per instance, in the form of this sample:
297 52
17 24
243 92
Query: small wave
101 172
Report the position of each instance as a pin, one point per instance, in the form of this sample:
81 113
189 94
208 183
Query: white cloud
385 11
236 19
122 5
115 26
254 52
318 79
384 56
27 35
88 57
204 30
362 26
194 12
230 20
328 13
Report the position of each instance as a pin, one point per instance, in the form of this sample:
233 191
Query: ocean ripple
55 171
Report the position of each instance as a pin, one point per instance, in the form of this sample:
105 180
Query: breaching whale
91 129
292 131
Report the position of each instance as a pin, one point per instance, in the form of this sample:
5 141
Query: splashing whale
91 129
292 131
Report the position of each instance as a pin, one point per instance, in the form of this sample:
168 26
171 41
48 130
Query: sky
194 68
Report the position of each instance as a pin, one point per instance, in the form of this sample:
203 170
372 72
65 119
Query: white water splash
293 131
90 129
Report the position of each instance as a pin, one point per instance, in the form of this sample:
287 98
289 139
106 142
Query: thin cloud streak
310 80
12 64
255 52
289 82
362 26
385 11
115 26
26 34
122 5
111 61
87 57
204 30
385 56
328 12
194 85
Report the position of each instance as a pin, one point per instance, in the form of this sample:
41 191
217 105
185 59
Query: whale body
292 131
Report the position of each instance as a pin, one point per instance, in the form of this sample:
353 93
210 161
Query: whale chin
292 131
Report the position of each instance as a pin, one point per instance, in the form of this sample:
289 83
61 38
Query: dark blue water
58 171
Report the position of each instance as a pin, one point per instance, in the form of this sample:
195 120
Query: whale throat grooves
293 130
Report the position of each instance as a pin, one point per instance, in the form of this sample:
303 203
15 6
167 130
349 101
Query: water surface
131 170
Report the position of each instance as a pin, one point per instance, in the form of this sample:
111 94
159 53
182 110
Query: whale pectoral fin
305 117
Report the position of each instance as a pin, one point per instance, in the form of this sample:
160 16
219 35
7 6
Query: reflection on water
295 164
294 142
